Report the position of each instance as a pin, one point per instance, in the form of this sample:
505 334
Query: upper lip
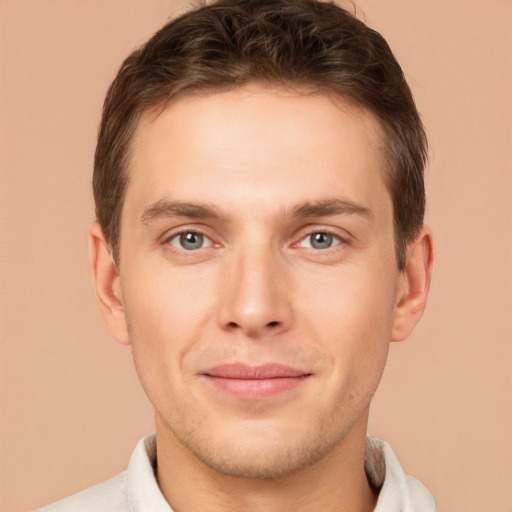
250 372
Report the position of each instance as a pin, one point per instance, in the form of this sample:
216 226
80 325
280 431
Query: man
260 241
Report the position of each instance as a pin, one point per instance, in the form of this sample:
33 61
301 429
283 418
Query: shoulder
133 490
109 496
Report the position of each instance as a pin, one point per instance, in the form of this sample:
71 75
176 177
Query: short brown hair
297 43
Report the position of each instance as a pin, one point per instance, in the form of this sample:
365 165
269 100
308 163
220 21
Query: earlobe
414 286
107 283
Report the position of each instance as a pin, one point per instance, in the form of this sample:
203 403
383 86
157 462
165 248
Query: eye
190 241
319 240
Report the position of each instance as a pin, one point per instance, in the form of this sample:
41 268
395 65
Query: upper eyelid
194 231
341 240
174 232
340 233
167 239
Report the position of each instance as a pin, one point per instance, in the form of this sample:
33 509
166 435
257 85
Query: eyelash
337 239
195 231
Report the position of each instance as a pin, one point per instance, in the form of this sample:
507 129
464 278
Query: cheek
351 302
165 315
350 314
165 309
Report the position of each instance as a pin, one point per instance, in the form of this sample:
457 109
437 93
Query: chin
263 455
265 464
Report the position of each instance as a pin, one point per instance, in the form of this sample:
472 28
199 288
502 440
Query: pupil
191 240
321 240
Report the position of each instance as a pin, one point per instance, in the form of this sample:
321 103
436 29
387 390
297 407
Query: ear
413 286
107 284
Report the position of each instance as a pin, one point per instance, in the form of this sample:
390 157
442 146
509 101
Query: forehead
222 145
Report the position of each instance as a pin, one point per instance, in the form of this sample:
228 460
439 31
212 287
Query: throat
336 483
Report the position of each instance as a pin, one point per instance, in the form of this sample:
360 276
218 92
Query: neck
335 483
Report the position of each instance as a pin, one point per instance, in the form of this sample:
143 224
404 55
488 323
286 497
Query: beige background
71 407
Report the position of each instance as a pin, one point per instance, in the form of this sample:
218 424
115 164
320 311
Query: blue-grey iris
321 240
191 241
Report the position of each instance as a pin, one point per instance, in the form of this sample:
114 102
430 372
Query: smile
255 382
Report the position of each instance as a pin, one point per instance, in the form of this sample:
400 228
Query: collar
398 492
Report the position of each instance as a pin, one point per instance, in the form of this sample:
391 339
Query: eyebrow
194 210
335 206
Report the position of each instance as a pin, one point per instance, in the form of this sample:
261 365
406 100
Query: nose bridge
255 298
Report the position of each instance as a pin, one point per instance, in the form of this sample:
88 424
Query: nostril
273 324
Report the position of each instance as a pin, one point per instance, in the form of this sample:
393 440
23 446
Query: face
257 275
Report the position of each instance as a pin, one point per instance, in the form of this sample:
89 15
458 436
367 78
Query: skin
269 170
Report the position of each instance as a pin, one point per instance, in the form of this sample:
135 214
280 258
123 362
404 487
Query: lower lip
256 389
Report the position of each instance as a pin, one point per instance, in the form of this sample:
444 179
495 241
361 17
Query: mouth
260 382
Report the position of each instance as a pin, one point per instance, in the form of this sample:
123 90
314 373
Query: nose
255 294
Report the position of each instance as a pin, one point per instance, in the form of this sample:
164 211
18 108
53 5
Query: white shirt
136 489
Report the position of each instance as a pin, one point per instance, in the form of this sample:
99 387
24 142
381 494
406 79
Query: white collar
398 492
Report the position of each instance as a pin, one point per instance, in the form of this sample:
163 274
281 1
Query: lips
255 382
